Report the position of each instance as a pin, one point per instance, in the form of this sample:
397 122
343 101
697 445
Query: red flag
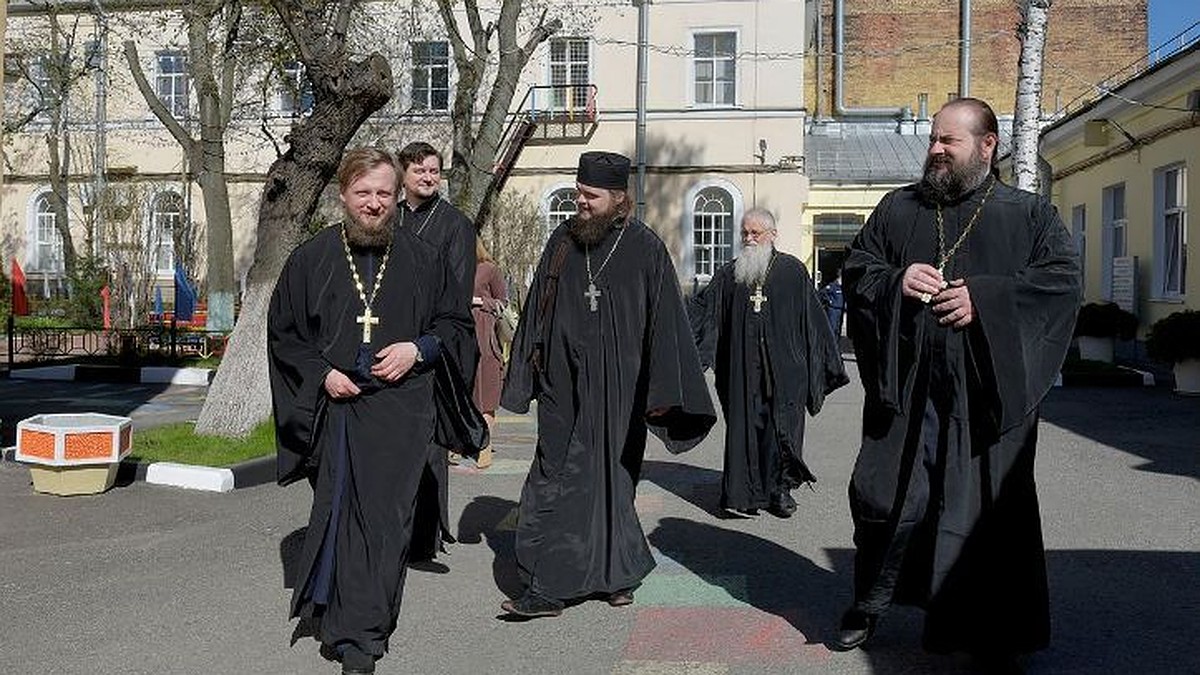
20 303
104 294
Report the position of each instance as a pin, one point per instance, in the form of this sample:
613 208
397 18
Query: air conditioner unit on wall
1193 100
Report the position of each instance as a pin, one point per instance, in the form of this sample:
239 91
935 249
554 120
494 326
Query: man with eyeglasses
760 326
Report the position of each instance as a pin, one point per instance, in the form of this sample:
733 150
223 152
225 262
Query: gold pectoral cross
591 294
367 320
758 298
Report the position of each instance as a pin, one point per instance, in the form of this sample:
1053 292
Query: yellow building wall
1076 184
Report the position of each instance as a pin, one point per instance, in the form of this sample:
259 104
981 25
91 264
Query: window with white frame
570 73
431 75
714 69
166 219
172 81
712 230
295 90
48 243
1170 230
559 206
1115 226
1079 234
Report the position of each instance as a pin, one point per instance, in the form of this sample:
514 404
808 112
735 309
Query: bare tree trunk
214 100
476 148
58 143
1027 114
346 93
207 154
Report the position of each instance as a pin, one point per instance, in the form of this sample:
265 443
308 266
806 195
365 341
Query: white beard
750 268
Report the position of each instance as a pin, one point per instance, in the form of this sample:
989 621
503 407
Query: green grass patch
179 443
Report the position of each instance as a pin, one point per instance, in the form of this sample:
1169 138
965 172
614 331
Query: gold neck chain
944 255
367 318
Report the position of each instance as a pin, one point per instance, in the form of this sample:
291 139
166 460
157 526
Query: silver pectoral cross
367 320
591 294
758 299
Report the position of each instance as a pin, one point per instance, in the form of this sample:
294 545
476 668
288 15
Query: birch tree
1027 114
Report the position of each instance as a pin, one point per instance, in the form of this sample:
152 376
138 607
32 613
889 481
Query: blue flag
185 296
158 310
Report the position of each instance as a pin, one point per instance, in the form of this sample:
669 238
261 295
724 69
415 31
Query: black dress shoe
857 627
533 606
782 506
357 662
620 598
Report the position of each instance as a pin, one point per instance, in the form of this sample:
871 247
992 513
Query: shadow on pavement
494 519
1110 612
697 485
1150 422
760 573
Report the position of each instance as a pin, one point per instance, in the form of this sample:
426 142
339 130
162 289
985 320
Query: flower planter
73 454
1096 348
1187 377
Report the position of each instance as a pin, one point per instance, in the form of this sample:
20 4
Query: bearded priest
362 316
760 326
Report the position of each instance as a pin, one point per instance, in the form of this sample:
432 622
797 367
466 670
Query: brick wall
895 50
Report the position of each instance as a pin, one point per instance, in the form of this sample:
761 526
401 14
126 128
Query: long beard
944 188
590 232
750 268
368 236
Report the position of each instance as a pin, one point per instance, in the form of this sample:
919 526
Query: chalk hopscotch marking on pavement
501 466
717 635
669 668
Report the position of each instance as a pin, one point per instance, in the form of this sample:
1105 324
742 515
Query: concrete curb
196 377
252 472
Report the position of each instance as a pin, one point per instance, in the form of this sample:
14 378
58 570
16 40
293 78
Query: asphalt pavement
151 579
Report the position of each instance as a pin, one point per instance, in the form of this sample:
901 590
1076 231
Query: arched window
166 219
560 205
712 230
48 243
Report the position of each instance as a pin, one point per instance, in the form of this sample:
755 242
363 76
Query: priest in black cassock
962 294
424 212
361 316
759 325
604 347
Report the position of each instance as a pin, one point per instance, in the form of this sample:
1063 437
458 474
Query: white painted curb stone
189 376
44 373
191 477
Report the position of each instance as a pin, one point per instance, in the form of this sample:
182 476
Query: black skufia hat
601 169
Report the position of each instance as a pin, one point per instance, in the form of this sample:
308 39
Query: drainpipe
820 48
964 50
839 72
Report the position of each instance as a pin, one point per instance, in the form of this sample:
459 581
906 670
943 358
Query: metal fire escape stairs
547 115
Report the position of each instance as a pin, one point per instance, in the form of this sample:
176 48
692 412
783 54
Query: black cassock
364 455
602 372
771 365
437 222
943 495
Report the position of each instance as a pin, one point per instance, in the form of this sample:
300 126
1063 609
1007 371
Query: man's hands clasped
949 300
392 363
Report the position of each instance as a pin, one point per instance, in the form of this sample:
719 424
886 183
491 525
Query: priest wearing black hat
605 349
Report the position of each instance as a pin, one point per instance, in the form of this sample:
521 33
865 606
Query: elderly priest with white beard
760 326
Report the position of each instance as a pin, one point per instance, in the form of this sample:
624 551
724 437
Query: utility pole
642 75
